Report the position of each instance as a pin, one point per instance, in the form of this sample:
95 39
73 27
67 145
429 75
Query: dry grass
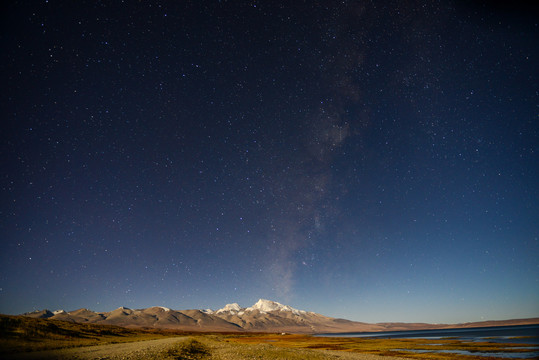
383 347
222 349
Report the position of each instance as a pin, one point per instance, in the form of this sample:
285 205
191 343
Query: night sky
372 160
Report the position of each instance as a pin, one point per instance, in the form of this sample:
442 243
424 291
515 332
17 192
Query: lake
522 334
501 332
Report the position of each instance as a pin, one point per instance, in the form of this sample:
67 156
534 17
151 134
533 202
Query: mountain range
264 316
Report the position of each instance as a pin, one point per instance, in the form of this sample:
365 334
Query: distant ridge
264 316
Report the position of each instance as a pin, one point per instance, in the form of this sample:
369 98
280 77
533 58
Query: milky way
369 160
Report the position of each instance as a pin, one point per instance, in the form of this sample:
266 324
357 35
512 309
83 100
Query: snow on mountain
262 305
230 308
59 312
265 306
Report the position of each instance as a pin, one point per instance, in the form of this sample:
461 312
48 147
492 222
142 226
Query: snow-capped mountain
265 315
230 308
263 306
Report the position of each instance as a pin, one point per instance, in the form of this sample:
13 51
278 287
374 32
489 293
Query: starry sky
372 160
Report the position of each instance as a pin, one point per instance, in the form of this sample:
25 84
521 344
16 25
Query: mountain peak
234 307
42 314
265 306
262 305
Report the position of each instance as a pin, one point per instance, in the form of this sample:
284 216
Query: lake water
522 334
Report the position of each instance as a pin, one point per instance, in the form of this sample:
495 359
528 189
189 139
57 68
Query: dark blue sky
373 160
